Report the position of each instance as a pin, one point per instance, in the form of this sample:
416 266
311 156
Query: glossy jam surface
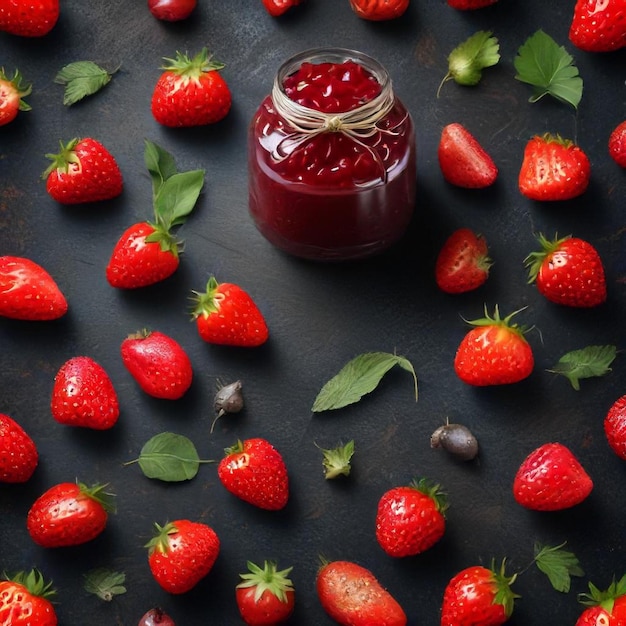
331 195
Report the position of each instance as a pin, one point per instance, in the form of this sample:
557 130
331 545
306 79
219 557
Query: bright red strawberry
191 92
469 5
278 7
225 314
158 363
83 395
265 596
494 352
379 10
254 471
83 171
13 90
463 263
29 18
69 514
551 479
599 25
171 10
604 607
410 519
553 169
568 271
353 596
617 144
25 600
463 161
615 427
478 595
28 292
18 452
181 554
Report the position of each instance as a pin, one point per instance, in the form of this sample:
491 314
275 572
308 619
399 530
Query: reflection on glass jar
332 158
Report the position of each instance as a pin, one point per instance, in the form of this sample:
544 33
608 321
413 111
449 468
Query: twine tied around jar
358 124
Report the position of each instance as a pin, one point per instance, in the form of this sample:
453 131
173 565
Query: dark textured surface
319 315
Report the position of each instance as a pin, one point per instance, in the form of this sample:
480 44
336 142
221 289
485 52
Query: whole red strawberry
463 262
181 554
254 471
83 395
353 596
478 596
18 452
469 5
265 596
29 18
494 352
598 25
568 271
158 363
463 161
25 600
28 292
617 144
379 10
410 519
225 314
69 514
278 7
615 427
551 479
191 92
553 169
13 90
83 171
604 607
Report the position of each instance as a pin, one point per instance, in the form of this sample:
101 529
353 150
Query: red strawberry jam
332 158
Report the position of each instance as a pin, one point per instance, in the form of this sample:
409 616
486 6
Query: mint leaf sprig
82 79
588 362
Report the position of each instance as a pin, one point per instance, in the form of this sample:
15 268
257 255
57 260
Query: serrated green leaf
105 583
357 378
549 69
81 79
589 362
558 565
467 61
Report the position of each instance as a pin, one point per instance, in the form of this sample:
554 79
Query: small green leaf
549 68
589 362
81 79
177 197
105 583
169 457
160 164
467 61
558 565
357 378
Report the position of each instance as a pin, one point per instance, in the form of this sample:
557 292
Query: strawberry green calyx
268 578
336 461
191 68
534 260
98 494
504 595
234 449
433 491
63 159
34 582
496 320
160 541
23 89
207 302
604 598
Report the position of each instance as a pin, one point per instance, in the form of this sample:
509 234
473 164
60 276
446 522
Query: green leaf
337 461
160 164
105 583
177 197
81 79
358 377
467 61
558 565
589 362
549 68
169 457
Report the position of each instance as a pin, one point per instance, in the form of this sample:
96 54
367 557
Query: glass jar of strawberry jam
332 158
